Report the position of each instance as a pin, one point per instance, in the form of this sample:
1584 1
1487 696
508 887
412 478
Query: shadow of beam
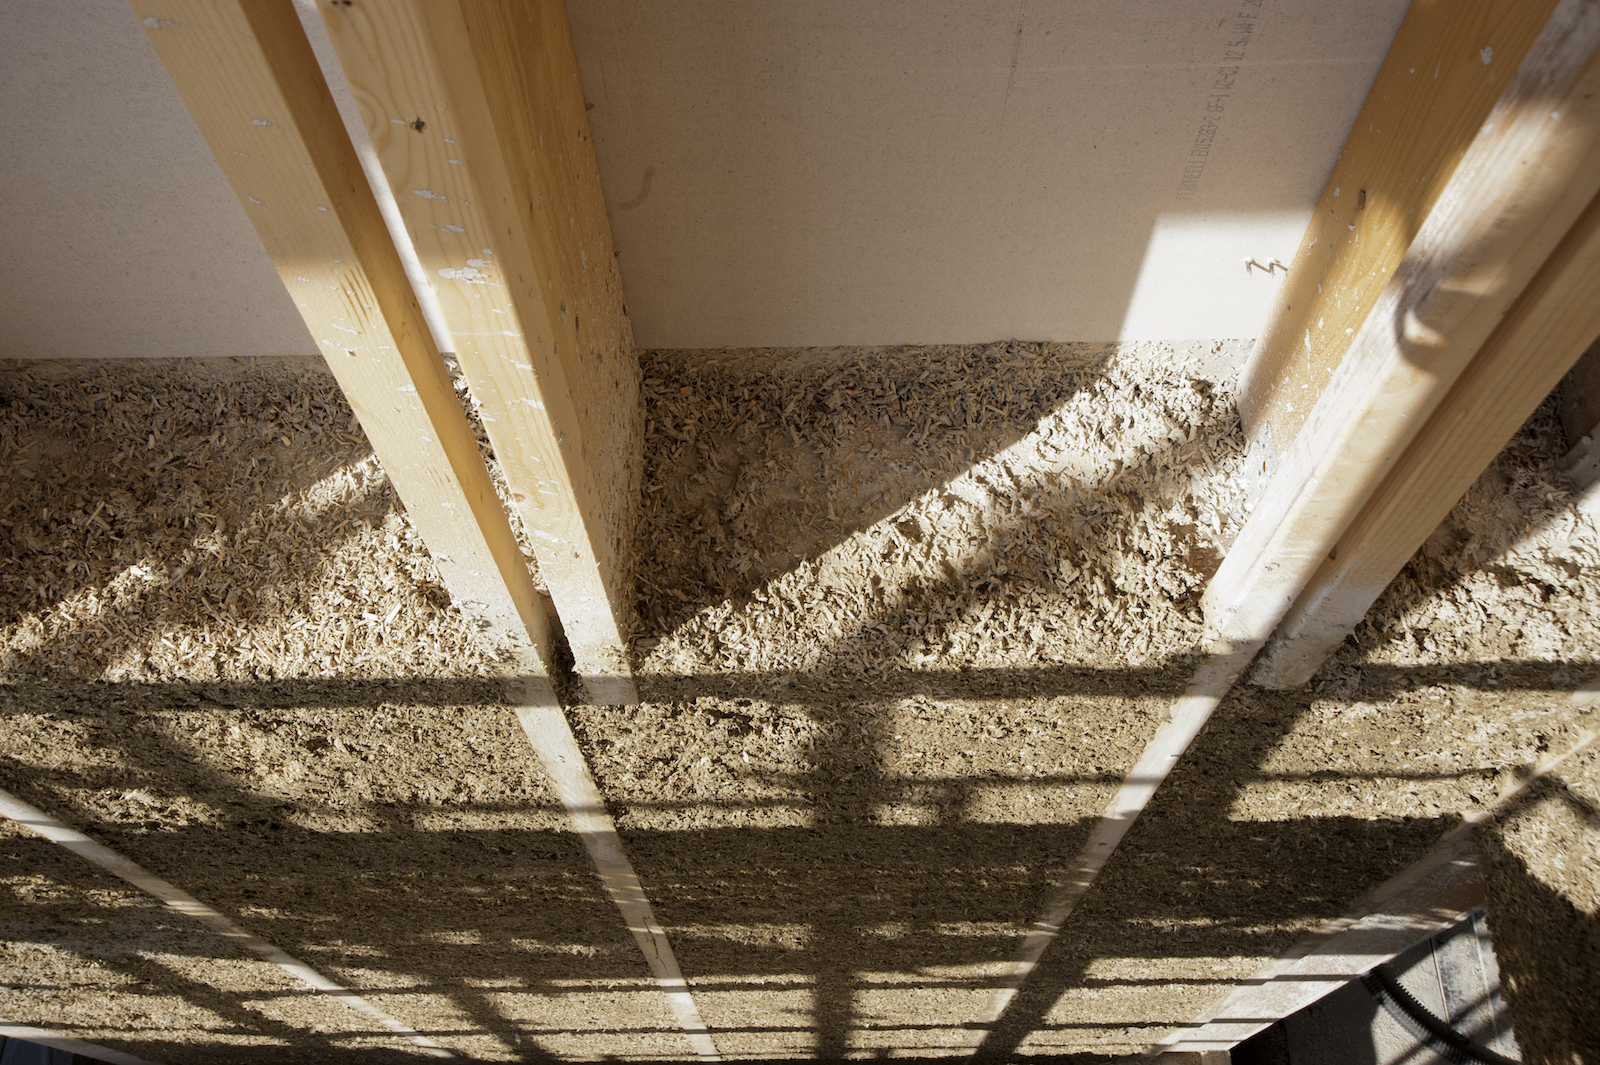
57 693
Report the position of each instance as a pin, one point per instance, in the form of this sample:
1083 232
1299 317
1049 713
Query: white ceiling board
819 172
122 237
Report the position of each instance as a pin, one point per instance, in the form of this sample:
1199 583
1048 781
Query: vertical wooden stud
478 120
1448 65
1538 341
249 78
1526 178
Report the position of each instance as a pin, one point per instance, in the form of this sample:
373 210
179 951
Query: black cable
1417 1019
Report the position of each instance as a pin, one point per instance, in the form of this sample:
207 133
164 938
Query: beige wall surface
818 172
121 237
805 172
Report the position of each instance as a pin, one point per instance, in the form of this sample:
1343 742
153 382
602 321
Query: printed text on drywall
1240 31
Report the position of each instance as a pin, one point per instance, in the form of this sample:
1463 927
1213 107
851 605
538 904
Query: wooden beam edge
274 129
1526 177
1551 325
461 183
1438 83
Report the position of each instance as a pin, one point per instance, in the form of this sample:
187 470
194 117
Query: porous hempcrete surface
909 616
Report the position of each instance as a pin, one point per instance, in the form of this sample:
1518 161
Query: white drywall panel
803 173
818 172
121 237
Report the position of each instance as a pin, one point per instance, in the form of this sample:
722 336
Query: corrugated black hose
1417 1019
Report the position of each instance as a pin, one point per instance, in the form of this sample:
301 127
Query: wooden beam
478 120
1447 66
249 78
1544 334
1211 682
1529 173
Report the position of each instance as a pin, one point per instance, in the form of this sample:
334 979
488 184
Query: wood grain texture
1433 92
249 78
478 120
1544 334
1527 176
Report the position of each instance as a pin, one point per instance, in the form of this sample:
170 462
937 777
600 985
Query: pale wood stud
478 119
1447 66
1544 334
1527 176
249 77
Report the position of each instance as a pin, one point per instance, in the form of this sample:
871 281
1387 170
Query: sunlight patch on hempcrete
863 509
207 520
